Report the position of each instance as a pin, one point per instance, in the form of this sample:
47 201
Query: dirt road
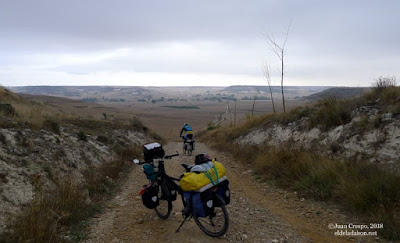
258 212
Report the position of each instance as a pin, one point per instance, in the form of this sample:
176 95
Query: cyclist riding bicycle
188 132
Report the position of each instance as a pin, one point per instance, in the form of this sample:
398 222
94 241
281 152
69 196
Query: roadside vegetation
358 186
60 212
18 112
62 204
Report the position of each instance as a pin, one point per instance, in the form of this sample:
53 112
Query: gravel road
258 212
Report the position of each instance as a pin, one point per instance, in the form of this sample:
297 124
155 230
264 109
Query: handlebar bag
148 169
202 202
149 195
153 151
192 181
224 191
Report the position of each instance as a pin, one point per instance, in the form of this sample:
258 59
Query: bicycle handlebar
136 161
172 155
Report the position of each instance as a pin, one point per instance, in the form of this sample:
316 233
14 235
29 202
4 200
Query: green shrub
127 151
330 112
156 137
395 109
211 126
321 180
294 114
7 110
102 139
363 123
369 190
137 123
82 136
384 92
283 165
52 126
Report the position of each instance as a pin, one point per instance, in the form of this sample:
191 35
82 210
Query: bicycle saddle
187 167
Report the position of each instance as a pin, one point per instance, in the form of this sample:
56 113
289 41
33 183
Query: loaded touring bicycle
204 202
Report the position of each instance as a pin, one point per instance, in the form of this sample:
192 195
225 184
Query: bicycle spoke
164 208
213 223
217 223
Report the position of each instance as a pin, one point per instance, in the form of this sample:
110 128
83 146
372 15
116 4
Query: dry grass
387 97
331 112
65 204
27 113
51 209
360 187
364 189
101 180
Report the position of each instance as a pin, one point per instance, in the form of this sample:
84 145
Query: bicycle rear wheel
189 149
164 207
184 148
217 223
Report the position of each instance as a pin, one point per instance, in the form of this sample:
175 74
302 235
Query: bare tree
252 109
234 114
267 76
279 50
228 110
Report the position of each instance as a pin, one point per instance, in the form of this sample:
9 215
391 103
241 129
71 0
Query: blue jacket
185 129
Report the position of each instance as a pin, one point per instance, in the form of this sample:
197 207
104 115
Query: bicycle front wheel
217 223
164 207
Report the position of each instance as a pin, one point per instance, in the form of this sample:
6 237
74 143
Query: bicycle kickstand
180 226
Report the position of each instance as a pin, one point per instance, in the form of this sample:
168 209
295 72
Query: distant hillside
338 92
276 89
78 92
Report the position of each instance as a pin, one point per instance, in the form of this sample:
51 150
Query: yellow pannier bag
192 181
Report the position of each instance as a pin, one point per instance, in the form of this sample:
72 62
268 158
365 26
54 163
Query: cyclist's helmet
202 158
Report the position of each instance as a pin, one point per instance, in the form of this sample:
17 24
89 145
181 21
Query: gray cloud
326 38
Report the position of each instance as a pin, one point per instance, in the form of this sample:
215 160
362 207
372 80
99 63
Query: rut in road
258 213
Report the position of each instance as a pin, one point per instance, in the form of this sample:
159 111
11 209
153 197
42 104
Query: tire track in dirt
258 212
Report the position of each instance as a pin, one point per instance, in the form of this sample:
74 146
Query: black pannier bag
207 200
153 151
224 191
149 195
172 189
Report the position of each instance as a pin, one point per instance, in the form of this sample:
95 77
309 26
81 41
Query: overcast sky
193 42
